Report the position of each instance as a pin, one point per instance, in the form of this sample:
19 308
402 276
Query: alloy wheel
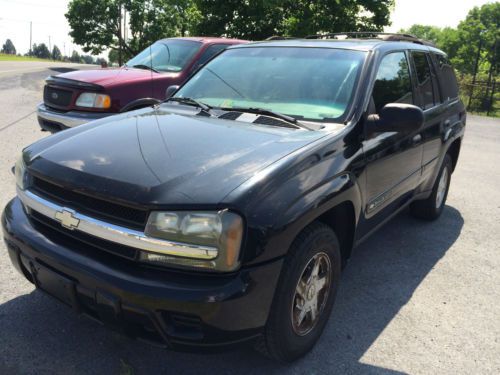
311 294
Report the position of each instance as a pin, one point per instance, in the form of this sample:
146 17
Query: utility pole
125 25
120 37
50 47
31 45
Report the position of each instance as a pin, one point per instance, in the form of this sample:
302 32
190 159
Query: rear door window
447 78
392 84
425 90
210 52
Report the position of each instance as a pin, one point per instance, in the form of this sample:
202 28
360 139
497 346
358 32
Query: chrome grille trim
115 233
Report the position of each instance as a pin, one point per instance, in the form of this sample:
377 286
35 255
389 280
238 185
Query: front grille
98 208
76 239
57 97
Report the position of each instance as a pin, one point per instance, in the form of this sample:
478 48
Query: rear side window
211 51
448 80
392 84
424 80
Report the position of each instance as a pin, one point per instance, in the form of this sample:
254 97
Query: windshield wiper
192 102
143 66
267 112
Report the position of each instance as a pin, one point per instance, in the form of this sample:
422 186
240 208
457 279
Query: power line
25 21
42 5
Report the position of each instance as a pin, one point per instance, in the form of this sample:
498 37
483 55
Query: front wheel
432 207
304 296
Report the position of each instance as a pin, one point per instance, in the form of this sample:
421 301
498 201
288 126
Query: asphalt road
416 298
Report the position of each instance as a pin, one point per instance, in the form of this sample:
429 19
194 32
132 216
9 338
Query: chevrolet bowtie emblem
67 219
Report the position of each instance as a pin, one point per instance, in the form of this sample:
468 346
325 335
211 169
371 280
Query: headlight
221 232
93 100
21 175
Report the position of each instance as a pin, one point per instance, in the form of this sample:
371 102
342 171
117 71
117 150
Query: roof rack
279 37
393 37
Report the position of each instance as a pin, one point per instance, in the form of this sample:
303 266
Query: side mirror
396 117
171 90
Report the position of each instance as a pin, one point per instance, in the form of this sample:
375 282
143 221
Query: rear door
429 97
393 158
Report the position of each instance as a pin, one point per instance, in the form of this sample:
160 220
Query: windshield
166 55
306 83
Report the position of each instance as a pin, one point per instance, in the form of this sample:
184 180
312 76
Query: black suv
226 213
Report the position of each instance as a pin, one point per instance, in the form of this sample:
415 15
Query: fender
304 210
140 103
292 199
342 188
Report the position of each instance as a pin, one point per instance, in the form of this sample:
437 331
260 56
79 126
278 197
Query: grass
5 57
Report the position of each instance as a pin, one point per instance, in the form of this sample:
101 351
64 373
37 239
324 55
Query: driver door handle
416 139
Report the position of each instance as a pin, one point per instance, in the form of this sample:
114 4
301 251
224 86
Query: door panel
394 159
430 98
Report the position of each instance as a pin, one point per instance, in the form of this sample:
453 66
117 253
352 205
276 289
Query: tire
285 340
432 207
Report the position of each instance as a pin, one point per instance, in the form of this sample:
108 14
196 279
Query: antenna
151 71
151 63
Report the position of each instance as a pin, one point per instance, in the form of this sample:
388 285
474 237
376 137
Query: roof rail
373 35
279 37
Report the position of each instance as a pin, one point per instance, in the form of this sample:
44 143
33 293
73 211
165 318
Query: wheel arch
341 212
139 103
342 220
454 151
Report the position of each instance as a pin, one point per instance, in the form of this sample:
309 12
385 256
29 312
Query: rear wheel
304 296
432 207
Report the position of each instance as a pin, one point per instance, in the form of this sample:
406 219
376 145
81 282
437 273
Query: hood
112 76
156 157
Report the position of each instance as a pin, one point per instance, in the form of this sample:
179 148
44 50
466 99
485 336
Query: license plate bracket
56 285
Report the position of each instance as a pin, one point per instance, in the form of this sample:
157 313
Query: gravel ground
416 298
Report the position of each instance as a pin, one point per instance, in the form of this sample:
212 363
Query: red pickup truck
74 98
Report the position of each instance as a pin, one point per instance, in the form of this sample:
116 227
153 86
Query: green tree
56 53
257 19
95 25
75 57
87 59
252 19
113 56
446 39
41 51
8 47
430 33
481 27
449 41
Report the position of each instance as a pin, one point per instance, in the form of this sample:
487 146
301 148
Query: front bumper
171 308
51 120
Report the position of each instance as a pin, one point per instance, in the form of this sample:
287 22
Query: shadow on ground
38 335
